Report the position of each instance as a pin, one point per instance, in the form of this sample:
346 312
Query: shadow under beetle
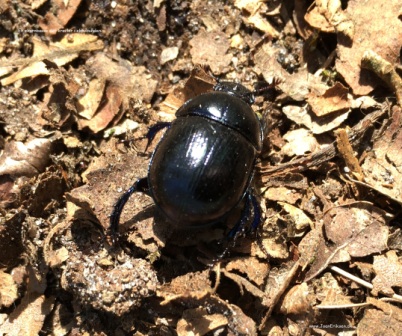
203 166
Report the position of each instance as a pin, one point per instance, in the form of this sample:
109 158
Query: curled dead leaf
334 99
8 289
328 16
58 16
19 159
199 321
299 142
388 271
256 18
60 53
28 317
296 300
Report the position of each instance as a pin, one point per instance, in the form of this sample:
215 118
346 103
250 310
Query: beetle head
237 90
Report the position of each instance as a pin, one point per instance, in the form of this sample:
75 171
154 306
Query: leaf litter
80 85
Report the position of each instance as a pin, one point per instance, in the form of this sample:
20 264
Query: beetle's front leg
153 130
140 185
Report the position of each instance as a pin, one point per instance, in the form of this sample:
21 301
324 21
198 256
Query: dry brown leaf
210 48
89 103
199 322
274 248
362 227
365 268
335 99
35 4
104 116
382 166
61 89
134 82
4 6
19 159
296 300
299 17
301 116
58 16
34 69
300 220
329 292
296 85
8 290
57 257
278 282
237 320
27 319
190 284
376 322
355 230
199 82
254 270
328 16
387 308
377 28
126 83
59 53
244 284
299 142
318 20
256 9
282 194
388 271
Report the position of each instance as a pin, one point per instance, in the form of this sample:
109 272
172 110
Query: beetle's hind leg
240 227
257 214
140 185
251 207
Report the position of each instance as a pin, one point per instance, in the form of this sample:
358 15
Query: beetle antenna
270 87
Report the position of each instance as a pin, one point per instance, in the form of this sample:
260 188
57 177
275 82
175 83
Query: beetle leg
153 130
256 222
140 185
240 226
257 213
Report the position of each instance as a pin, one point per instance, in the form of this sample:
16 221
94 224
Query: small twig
351 277
369 186
346 151
343 306
360 281
329 152
217 270
385 70
280 291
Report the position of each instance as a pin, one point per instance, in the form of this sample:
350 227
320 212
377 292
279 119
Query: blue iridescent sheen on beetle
203 166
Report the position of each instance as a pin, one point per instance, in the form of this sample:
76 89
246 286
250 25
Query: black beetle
203 165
